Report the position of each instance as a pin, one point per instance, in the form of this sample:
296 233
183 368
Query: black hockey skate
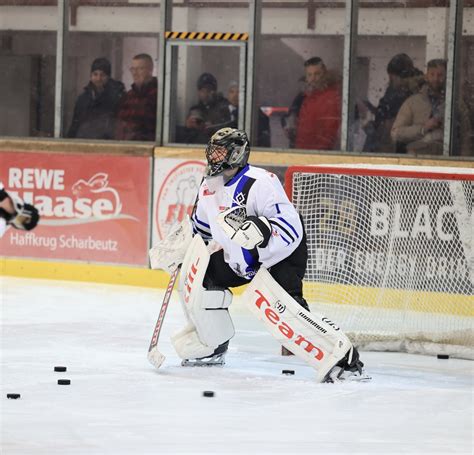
348 369
217 358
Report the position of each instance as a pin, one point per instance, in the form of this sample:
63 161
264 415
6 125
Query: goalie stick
155 357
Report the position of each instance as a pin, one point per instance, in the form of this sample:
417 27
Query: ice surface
118 403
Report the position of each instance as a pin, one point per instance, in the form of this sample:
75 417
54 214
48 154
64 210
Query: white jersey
262 194
3 227
3 222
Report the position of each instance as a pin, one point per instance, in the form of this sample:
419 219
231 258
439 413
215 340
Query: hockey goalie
245 210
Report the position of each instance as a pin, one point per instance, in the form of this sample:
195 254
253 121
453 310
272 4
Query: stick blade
155 357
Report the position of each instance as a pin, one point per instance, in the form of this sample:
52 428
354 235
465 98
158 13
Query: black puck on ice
64 381
13 396
443 356
288 372
208 393
61 369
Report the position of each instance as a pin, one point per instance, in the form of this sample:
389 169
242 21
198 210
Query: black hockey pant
288 273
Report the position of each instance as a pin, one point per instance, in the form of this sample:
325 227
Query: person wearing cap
96 107
207 116
137 112
404 80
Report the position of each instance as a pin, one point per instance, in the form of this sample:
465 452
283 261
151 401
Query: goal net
391 255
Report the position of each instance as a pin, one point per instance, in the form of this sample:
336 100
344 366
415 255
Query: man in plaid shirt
137 112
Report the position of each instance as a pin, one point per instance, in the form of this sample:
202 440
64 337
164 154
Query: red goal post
391 253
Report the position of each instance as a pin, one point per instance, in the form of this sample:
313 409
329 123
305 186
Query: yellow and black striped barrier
207 36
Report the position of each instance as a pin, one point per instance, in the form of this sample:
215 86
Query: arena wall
129 194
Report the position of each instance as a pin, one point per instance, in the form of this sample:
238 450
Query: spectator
404 81
233 99
95 111
263 122
419 123
205 117
319 117
137 113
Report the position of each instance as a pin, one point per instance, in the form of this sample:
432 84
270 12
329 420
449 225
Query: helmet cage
227 149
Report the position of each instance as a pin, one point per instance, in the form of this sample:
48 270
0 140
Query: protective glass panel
463 118
298 106
204 92
210 16
111 58
394 109
27 68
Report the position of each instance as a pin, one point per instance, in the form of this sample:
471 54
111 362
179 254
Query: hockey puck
288 372
13 396
443 356
61 369
208 393
64 381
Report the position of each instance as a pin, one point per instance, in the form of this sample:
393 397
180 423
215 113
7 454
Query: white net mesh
391 255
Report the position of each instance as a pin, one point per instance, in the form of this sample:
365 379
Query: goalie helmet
228 148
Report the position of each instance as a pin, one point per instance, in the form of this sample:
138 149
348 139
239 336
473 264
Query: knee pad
211 317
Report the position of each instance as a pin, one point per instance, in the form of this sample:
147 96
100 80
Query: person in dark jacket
137 112
404 80
96 107
207 116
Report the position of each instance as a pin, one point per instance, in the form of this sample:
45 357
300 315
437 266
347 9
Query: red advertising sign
92 207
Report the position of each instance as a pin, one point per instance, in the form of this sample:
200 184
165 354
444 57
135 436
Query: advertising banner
176 182
398 233
93 207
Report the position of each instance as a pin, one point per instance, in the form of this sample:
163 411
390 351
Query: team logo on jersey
208 192
240 199
176 195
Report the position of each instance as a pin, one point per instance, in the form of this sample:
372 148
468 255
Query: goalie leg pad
313 338
187 344
205 309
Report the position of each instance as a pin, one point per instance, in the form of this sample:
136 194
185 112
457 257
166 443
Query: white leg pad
213 323
313 338
205 310
188 345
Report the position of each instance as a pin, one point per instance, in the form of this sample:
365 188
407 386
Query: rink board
459 305
391 299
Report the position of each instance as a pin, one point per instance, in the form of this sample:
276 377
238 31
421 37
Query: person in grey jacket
419 122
